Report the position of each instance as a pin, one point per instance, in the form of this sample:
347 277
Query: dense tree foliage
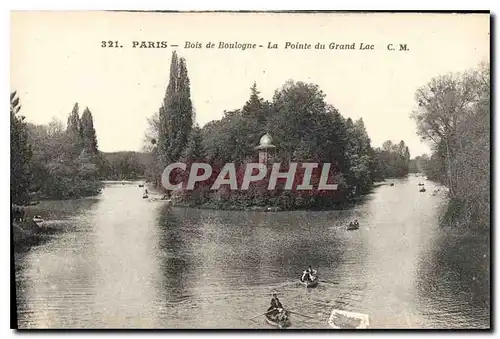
304 128
65 162
431 166
175 116
393 160
419 164
169 132
194 148
74 133
20 153
88 133
358 157
126 165
454 116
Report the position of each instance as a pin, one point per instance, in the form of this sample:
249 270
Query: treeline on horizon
304 128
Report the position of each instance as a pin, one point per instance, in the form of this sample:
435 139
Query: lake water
121 261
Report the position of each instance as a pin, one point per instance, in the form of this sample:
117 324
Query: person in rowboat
275 302
312 273
308 274
305 275
275 306
282 316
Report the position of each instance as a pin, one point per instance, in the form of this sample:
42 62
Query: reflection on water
126 262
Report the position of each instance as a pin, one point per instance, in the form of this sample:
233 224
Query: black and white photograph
250 170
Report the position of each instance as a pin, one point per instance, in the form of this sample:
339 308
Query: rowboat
352 227
145 196
308 283
37 219
275 322
422 190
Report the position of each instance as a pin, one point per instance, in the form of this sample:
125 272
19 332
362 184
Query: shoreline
228 206
234 206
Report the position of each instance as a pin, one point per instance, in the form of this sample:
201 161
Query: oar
260 314
300 314
330 282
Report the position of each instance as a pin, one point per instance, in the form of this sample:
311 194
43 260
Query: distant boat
37 219
144 196
421 184
352 227
422 189
141 185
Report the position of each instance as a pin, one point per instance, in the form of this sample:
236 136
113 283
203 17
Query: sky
57 60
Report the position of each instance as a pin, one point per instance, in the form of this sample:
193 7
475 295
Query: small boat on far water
144 196
37 219
422 189
353 226
141 185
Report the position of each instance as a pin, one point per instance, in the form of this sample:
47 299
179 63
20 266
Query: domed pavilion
265 148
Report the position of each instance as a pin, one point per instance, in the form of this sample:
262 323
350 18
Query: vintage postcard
260 170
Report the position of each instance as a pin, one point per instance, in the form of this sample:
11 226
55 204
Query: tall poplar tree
74 132
88 133
185 109
175 114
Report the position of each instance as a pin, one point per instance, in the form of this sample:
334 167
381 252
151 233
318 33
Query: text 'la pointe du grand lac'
250 46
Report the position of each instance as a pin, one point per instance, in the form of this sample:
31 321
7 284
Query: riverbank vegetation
304 128
126 165
20 155
392 160
66 161
57 162
453 115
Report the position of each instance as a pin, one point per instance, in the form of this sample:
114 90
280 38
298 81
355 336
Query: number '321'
110 43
